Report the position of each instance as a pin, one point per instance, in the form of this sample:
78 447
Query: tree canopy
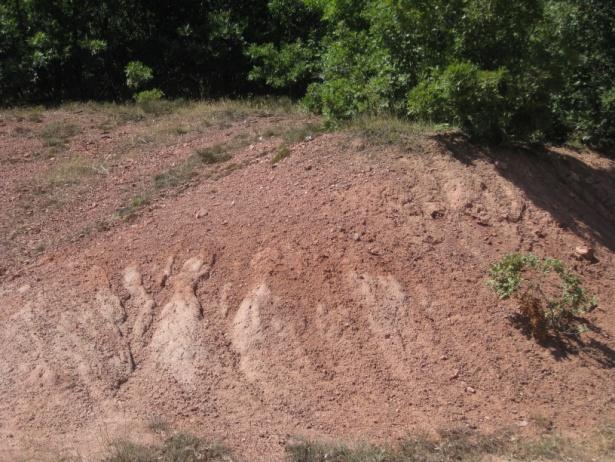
529 70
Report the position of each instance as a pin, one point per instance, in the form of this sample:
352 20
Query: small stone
522 423
434 211
356 237
357 145
583 252
200 214
470 390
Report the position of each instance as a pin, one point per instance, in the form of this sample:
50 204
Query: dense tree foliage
530 70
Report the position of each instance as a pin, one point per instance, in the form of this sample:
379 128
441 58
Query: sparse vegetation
550 297
57 134
305 132
181 130
70 172
158 425
280 154
35 115
213 155
190 117
188 169
449 446
152 103
176 176
465 446
128 211
389 130
181 447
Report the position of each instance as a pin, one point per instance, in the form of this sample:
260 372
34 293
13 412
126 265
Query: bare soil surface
336 294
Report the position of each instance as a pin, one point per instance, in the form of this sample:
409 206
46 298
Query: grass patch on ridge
465 446
180 447
390 130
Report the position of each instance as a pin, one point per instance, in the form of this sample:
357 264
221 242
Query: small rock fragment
357 145
435 211
583 252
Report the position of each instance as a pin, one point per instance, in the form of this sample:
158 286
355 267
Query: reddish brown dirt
340 294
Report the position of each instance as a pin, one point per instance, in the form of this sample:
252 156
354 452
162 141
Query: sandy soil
339 293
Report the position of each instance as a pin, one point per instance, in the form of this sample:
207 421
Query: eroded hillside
236 271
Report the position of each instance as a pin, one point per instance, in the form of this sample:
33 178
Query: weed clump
281 153
57 134
130 210
304 132
459 445
213 155
71 172
188 169
550 298
181 447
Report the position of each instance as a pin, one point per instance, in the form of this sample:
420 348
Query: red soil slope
340 294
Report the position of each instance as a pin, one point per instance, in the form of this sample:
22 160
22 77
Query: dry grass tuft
58 134
280 154
71 172
129 211
464 446
389 130
181 447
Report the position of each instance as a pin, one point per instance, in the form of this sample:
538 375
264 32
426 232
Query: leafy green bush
148 96
578 36
290 66
153 102
465 96
137 74
529 70
549 296
357 77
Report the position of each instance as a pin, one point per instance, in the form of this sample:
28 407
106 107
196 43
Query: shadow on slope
579 197
564 345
